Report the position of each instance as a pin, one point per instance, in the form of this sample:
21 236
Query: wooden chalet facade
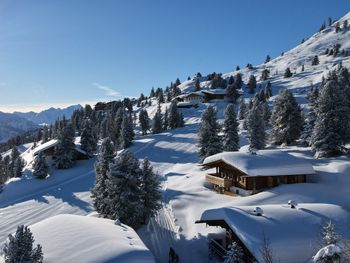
229 176
104 106
217 94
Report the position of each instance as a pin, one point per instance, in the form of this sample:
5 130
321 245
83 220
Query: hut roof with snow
262 163
293 234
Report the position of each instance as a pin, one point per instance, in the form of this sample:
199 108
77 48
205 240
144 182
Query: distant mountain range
13 124
48 116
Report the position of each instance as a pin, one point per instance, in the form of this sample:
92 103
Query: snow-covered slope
72 238
295 58
174 156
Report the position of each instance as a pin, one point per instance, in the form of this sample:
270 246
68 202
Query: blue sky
56 53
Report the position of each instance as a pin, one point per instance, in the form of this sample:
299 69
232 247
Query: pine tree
265 74
123 187
157 125
286 119
238 81
144 121
288 73
267 59
197 85
150 191
64 150
161 96
232 92
331 129
208 134
127 131
18 166
268 90
234 254
231 137
19 248
310 118
181 120
174 116
323 26
152 93
315 61
329 235
88 139
252 84
40 167
242 109
256 128
165 120
99 192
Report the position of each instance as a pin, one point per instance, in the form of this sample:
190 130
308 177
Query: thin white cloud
108 90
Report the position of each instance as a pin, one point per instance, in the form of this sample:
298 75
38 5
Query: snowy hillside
295 58
186 194
72 238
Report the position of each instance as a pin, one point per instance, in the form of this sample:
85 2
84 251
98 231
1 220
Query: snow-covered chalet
246 173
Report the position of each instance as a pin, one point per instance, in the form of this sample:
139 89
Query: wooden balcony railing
216 180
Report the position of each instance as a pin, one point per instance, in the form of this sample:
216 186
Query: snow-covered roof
215 91
73 238
45 146
53 143
263 163
293 234
196 93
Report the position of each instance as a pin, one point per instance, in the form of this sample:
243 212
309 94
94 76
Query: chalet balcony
219 181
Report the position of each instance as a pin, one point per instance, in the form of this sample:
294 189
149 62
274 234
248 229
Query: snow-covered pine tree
238 80
242 109
256 127
286 119
208 133
267 59
332 119
310 118
88 139
197 85
150 191
157 122
265 74
99 192
165 119
40 167
232 92
64 150
252 84
329 235
230 128
234 254
127 131
14 153
268 90
174 116
17 170
330 251
19 248
123 186
181 122
287 73
315 61
144 121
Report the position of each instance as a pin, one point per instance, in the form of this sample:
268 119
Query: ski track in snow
61 198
